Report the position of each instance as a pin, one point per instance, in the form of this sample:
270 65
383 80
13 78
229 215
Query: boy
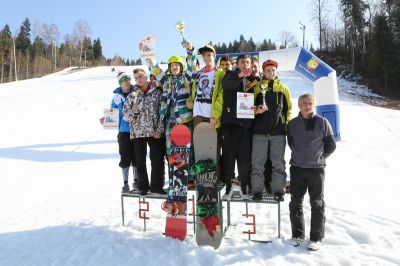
205 86
273 112
236 132
126 146
141 110
226 63
311 140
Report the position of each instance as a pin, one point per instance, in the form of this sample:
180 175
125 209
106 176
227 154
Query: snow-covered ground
60 187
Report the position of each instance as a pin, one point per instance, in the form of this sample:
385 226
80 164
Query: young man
274 109
205 100
236 132
141 110
255 69
311 140
226 63
126 146
256 74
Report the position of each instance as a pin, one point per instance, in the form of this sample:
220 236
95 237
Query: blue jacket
118 102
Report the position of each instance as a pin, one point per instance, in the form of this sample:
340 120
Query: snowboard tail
208 230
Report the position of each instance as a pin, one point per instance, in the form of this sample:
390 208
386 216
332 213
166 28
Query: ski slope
60 187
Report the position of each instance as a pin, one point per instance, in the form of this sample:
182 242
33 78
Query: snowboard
208 229
178 154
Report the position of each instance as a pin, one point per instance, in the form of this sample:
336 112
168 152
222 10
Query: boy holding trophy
273 112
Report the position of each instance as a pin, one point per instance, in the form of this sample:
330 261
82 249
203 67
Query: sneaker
243 196
278 196
227 195
314 245
257 196
158 191
143 192
125 188
295 241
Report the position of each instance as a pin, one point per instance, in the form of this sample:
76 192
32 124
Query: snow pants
275 147
301 180
236 144
157 151
126 150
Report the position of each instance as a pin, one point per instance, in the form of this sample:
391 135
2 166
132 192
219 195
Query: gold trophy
263 91
180 26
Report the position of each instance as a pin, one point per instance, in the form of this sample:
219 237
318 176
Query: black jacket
231 85
273 121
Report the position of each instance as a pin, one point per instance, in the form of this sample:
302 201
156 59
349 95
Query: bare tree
287 39
51 35
82 30
319 13
71 41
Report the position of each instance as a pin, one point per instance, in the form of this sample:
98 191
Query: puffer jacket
117 102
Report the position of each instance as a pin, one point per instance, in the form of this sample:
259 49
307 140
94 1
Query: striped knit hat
122 76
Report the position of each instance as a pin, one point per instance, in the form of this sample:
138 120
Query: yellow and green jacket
217 96
277 98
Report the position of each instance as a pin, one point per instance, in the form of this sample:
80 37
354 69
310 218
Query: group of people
188 95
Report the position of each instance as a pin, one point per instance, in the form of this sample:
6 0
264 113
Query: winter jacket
118 101
143 123
277 98
176 92
231 85
217 96
311 141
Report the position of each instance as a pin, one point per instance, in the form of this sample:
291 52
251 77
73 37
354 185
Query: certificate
111 118
244 106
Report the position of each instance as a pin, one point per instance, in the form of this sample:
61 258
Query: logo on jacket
312 64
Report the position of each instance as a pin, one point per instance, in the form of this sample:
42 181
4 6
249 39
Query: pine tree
5 50
23 40
97 50
383 60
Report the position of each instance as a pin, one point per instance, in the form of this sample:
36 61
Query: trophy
180 26
263 91
136 103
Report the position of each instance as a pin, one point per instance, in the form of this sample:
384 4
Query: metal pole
303 28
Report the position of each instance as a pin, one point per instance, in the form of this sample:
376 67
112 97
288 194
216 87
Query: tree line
362 41
36 50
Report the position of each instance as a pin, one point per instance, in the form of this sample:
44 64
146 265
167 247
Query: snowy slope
60 187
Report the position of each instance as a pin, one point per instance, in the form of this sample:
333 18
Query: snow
60 187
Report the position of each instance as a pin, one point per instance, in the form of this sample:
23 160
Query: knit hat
269 63
122 76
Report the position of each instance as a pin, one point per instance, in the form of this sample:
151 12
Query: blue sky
120 25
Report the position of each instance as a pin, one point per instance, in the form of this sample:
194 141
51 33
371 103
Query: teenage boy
126 146
310 137
273 112
236 132
141 110
205 99
226 63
